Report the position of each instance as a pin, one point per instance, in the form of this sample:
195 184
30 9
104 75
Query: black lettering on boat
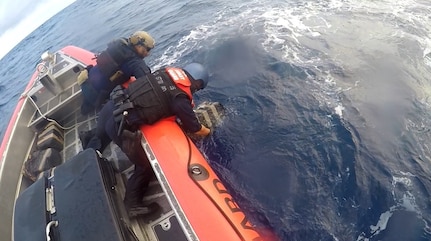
246 224
217 184
231 204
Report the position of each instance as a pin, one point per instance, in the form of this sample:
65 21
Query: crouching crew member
122 59
164 93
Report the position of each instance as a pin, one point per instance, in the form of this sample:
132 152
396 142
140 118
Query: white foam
409 202
191 41
382 223
403 180
426 45
295 33
339 110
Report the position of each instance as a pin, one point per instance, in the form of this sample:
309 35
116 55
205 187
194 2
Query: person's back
166 92
122 59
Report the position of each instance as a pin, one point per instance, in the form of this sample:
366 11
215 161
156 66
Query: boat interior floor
161 225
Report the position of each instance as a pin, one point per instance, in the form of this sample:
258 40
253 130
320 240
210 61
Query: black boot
136 187
131 146
142 210
89 136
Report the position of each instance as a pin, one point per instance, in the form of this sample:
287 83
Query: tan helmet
142 38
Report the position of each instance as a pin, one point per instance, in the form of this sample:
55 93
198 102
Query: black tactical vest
110 60
152 95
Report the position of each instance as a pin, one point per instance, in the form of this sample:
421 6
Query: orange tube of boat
208 206
210 209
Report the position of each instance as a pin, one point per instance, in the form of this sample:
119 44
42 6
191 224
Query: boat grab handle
48 229
41 69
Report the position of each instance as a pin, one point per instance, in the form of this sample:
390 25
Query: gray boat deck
145 227
64 108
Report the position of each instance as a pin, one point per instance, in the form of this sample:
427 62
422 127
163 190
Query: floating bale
210 114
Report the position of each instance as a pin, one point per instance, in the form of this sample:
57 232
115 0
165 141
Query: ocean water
327 135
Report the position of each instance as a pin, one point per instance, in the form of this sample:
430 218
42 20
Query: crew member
164 93
122 59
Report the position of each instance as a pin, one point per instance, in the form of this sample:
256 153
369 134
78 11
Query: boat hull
195 188
14 147
198 201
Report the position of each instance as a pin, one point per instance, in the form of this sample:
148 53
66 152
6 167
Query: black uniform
153 97
114 66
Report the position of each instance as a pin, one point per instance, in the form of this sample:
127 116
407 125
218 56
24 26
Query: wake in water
328 127
350 90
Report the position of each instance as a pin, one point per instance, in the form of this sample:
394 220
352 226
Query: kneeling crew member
164 93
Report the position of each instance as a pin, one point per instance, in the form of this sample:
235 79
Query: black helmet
198 72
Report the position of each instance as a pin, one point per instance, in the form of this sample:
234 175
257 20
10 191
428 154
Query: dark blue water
327 135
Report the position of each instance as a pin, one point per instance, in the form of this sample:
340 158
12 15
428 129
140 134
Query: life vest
110 60
179 77
152 94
